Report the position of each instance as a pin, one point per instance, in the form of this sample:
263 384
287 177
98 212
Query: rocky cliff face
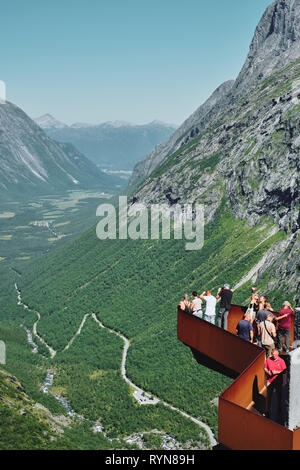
189 129
247 150
276 42
31 163
251 151
49 122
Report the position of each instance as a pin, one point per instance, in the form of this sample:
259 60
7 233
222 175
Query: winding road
34 329
140 395
141 392
143 397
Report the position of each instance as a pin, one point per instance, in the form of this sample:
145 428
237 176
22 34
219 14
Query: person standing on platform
284 325
267 332
262 315
196 305
225 294
244 328
254 303
274 369
274 366
185 304
263 302
210 310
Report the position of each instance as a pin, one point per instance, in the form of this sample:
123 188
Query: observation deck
242 424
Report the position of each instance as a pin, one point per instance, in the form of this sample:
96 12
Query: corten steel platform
241 423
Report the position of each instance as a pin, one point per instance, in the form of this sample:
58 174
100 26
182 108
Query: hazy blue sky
133 60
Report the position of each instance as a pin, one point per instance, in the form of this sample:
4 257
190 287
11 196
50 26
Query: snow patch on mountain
47 121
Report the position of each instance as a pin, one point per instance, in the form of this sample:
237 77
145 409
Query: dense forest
132 287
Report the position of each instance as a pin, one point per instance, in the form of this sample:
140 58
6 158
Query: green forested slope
133 287
26 425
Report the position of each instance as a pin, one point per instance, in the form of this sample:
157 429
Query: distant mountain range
115 145
31 163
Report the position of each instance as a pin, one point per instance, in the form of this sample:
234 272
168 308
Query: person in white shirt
196 305
210 311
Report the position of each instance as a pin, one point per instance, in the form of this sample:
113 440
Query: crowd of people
257 325
195 306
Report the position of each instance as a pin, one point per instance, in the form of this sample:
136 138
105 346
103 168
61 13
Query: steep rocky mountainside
248 146
276 43
189 129
249 156
112 145
47 122
31 163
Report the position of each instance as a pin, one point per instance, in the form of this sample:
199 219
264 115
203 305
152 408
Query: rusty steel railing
242 424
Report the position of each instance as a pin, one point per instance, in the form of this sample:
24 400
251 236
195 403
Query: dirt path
140 394
78 332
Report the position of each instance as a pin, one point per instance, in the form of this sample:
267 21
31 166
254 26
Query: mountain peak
117 124
81 125
276 42
32 164
47 121
157 122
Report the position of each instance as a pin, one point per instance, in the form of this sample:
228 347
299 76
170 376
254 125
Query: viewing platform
242 424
